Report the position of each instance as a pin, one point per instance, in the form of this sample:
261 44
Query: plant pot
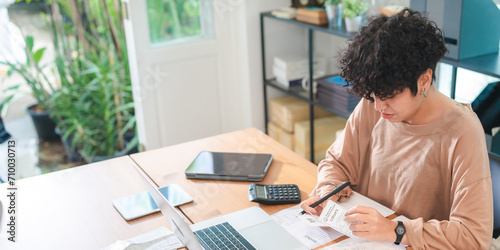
107 157
44 125
352 24
334 14
73 156
4 135
128 138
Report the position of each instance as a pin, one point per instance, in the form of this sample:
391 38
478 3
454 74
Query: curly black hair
390 53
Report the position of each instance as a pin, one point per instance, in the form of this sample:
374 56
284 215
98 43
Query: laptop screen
175 220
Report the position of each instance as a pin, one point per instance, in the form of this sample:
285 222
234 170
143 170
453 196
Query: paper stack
332 91
290 69
285 12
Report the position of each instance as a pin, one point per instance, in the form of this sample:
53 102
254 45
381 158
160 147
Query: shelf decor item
353 13
312 15
285 13
334 12
306 3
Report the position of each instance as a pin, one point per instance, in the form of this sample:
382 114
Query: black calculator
274 194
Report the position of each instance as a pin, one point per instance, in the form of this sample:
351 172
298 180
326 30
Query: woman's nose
379 104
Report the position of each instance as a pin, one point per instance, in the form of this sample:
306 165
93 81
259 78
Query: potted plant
94 108
35 82
4 135
353 13
334 13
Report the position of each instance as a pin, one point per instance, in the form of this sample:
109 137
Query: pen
335 191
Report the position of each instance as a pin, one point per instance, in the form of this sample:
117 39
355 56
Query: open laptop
250 228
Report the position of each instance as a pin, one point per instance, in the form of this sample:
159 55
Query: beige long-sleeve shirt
435 174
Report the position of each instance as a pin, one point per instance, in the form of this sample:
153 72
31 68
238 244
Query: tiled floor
34 157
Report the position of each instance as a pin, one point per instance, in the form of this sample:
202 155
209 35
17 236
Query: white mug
305 81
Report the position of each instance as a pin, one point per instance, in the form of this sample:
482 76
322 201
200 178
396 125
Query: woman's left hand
368 223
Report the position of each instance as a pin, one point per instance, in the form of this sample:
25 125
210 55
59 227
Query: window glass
179 21
468 86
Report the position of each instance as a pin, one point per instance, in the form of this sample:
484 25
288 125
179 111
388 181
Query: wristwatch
400 232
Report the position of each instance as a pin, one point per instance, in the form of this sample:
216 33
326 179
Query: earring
425 92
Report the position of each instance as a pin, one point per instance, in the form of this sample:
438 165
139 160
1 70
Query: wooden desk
215 198
72 209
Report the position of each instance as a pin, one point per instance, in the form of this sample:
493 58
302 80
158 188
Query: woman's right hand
306 206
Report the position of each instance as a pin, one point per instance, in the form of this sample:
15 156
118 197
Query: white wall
250 69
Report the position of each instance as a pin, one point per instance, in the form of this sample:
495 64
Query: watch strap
400 232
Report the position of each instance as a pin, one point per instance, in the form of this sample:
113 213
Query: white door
185 89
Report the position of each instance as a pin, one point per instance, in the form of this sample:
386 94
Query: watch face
400 230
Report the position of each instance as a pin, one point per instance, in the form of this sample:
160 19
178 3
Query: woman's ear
425 80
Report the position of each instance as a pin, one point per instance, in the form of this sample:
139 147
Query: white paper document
362 244
311 236
333 215
160 238
315 231
356 243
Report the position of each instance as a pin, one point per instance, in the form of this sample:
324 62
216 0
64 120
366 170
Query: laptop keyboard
222 236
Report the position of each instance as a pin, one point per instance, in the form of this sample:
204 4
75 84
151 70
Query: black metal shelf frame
299 93
487 64
308 97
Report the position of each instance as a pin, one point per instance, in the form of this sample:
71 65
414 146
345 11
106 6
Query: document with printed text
308 232
315 231
333 215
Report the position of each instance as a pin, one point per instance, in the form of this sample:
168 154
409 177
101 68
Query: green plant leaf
130 124
10 71
353 8
29 42
126 106
95 100
38 55
14 87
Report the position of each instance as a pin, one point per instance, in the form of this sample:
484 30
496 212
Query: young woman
408 146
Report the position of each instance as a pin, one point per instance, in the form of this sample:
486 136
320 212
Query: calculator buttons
275 194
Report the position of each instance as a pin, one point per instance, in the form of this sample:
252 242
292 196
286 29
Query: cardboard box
312 20
312 15
325 133
280 135
312 12
318 156
286 111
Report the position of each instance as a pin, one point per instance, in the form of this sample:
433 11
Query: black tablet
229 166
